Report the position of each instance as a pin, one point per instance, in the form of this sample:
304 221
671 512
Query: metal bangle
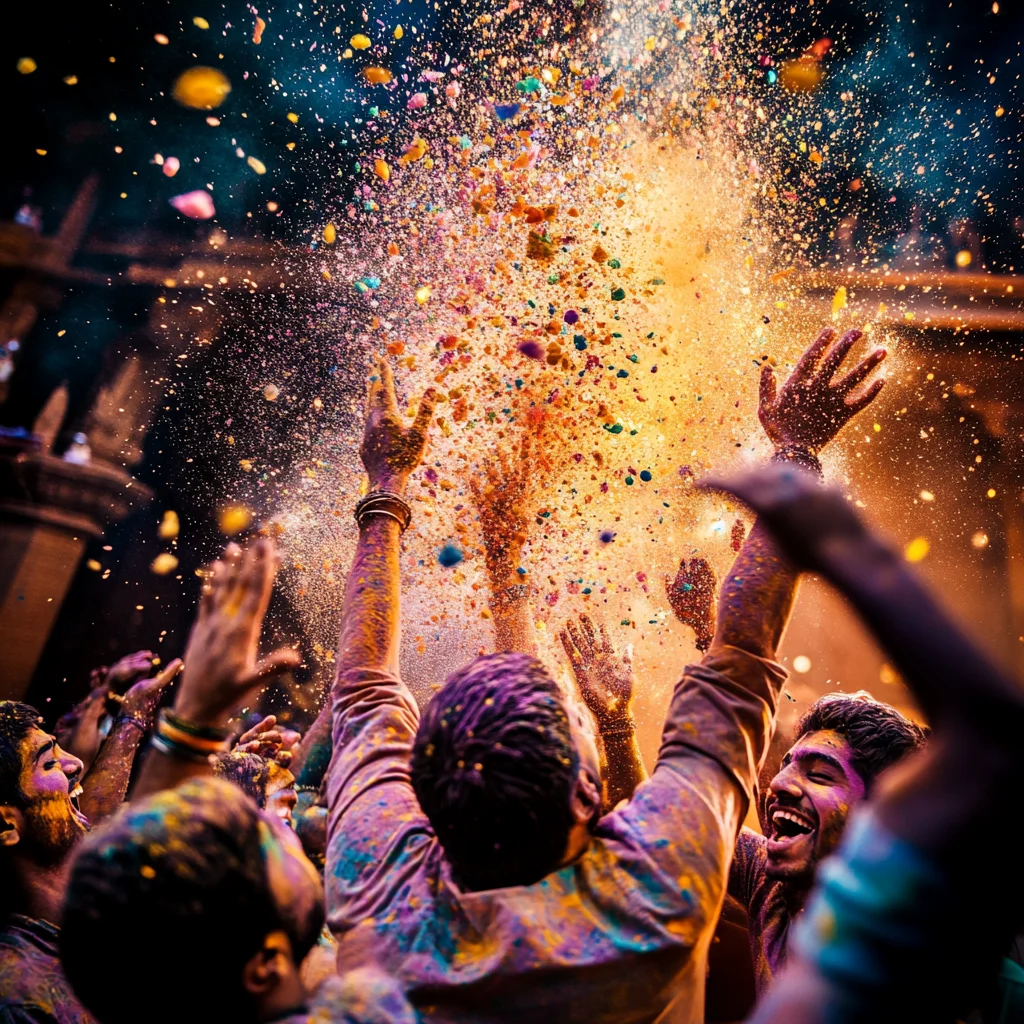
380 501
800 454
136 721
177 750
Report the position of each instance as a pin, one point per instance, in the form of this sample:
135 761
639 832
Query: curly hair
493 766
172 889
249 772
878 735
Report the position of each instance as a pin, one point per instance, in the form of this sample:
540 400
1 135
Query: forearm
623 767
369 631
510 609
106 784
160 771
756 597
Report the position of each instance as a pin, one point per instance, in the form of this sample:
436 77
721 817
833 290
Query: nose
70 765
786 783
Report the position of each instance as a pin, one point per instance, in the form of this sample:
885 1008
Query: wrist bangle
625 729
177 750
384 503
139 722
178 736
801 455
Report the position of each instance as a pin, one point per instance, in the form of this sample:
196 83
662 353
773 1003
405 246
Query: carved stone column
49 511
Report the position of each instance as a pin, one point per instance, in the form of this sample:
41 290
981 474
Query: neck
795 893
40 889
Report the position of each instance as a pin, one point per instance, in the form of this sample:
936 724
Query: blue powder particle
506 111
606 536
645 475
449 555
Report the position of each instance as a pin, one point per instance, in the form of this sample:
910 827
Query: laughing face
51 821
808 803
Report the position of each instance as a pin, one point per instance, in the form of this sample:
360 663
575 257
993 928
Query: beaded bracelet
384 503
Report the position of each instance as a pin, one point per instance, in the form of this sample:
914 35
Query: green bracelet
177 750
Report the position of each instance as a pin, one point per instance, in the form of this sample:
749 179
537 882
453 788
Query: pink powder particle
196 205
171 166
417 101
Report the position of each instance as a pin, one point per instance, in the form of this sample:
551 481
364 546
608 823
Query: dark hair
249 772
493 766
166 904
17 720
878 734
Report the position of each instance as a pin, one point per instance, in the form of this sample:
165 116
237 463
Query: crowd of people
501 854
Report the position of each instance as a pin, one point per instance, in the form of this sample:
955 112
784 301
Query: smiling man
40 823
844 742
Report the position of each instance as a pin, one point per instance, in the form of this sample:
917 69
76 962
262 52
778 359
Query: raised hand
811 409
501 497
270 741
390 451
691 595
128 669
811 524
221 670
143 698
605 679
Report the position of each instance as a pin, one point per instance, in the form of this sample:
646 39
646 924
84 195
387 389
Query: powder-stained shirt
768 918
618 935
33 989
364 996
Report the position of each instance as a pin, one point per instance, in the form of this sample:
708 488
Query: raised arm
605 682
106 782
221 668
757 594
500 492
930 856
390 452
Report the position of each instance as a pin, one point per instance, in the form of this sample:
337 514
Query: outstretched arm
500 494
757 595
605 682
930 853
390 452
106 782
221 670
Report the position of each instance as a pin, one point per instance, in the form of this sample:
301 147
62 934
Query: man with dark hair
844 742
40 823
467 851
909 918
193 904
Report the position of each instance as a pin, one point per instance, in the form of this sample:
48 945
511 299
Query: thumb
161 679
272 665
768 388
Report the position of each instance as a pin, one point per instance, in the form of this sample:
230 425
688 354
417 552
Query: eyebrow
828 759
45 748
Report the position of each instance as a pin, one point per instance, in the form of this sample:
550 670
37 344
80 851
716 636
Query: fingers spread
425 411
861 371
837 354
856 404
272 665
582 645
570 650
809 360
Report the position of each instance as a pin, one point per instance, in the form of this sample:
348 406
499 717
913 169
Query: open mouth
73 796
788 827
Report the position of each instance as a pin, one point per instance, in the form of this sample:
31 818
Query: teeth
789 816
76 792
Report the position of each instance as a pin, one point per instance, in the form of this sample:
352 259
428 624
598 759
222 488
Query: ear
263 972
585 802
12 824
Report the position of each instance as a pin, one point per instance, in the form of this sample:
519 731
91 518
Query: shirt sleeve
746 867
680 827
374 819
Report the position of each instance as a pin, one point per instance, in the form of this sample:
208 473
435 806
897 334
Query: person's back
614 935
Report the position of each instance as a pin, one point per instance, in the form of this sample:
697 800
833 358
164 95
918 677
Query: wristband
626 728
801 455
140 722
384 503
178 750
